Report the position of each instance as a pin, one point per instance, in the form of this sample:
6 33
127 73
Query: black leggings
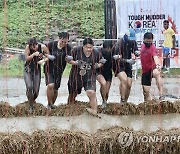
32 81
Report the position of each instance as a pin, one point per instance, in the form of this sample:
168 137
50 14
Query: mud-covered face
63 42
88 48
34 47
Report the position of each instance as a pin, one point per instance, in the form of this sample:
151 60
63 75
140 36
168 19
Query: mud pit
69 129
13 91
137 128
104 141
90 124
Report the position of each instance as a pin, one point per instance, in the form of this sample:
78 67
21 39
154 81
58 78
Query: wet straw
4 44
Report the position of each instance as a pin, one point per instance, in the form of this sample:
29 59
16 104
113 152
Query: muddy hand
131 61
116 57
51 57
36 53
78 63
137 53
69 58
41 62
103 61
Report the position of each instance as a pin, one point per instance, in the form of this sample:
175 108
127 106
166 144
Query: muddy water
89 123
13 90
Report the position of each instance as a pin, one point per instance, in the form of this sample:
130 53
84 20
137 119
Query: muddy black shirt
86 72
32 65
108 65
125 48
58 65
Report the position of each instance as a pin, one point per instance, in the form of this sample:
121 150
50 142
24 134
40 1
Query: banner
148 16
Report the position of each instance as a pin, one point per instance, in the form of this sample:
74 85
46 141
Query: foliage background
45 18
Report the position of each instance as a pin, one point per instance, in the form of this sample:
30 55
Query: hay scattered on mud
16 143
147 108
104 141
111 141
61 141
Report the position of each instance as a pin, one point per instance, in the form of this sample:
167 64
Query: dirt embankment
147 108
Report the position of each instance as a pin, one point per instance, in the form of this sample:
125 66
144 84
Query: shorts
166 50
147 78
107 75
125 67
76 86
51 78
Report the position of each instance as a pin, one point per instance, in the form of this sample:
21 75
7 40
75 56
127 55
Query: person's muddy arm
70 59
73 62
157 62
45 52
29 57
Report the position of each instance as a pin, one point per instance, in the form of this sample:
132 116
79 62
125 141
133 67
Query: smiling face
63 42
88 48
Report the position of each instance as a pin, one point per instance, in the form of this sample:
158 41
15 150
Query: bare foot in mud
93 112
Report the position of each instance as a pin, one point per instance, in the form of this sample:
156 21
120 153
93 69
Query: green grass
14 68
25 19
175 71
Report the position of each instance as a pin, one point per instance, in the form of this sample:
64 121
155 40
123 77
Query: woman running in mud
35 55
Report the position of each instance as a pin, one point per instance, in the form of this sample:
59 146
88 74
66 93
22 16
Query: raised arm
29 57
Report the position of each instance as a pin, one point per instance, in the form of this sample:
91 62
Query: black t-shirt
125 48
33 64
58 65
86 72
108 56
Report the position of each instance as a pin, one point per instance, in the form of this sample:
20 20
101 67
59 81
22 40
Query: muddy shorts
127 68
147 78
107 75
76 86
50 78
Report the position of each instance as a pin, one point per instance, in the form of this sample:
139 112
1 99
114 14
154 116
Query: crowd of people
90 64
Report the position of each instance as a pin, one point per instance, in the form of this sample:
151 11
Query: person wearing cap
54 68
105 72
85 60
150 67
123 61
35 55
